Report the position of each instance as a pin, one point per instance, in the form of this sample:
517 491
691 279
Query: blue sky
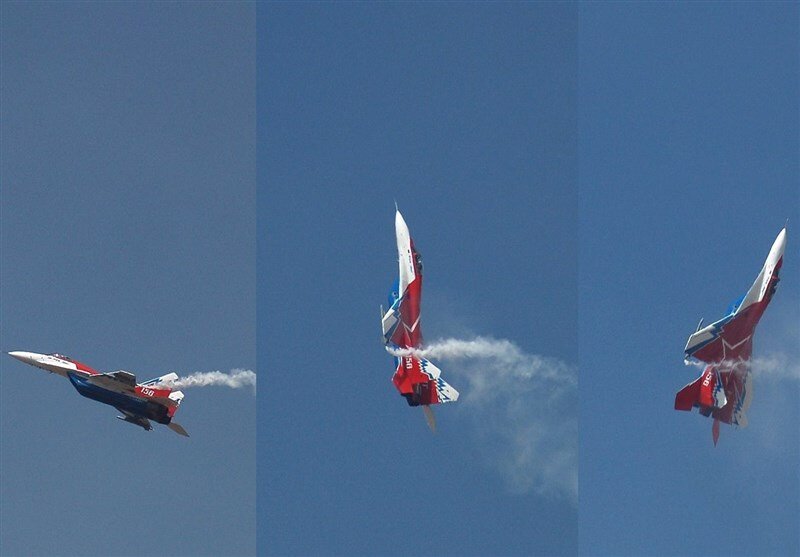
688 170
466 116
128 242
202 188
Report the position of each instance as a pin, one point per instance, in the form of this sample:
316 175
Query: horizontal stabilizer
445 391
177 428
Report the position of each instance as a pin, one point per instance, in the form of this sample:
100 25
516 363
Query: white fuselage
404 254
47 362
759 288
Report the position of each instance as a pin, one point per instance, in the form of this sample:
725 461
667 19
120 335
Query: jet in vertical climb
724 389
417 379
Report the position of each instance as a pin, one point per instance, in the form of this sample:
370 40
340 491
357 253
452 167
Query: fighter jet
417 379
724 388
138 402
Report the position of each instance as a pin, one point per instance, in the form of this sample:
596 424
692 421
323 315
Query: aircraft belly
123 402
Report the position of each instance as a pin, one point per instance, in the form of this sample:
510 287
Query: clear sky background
688 170
585 181
128 242
466 116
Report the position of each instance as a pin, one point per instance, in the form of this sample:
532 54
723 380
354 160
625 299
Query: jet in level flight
138 402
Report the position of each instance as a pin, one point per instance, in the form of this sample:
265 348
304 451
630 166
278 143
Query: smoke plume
776 366
236 379
772 367
523 408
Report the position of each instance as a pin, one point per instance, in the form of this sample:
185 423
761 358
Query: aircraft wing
389 322
117 381
401 324
730 338
125 377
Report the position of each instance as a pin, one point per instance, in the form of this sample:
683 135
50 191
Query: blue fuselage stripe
120 401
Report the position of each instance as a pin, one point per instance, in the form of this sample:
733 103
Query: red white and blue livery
138 402
724 388
417 379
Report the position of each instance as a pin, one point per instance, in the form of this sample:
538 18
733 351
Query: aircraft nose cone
25 357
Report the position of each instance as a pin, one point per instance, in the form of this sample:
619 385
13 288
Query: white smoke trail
508 358
777 367
236 379
523 408
774 367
